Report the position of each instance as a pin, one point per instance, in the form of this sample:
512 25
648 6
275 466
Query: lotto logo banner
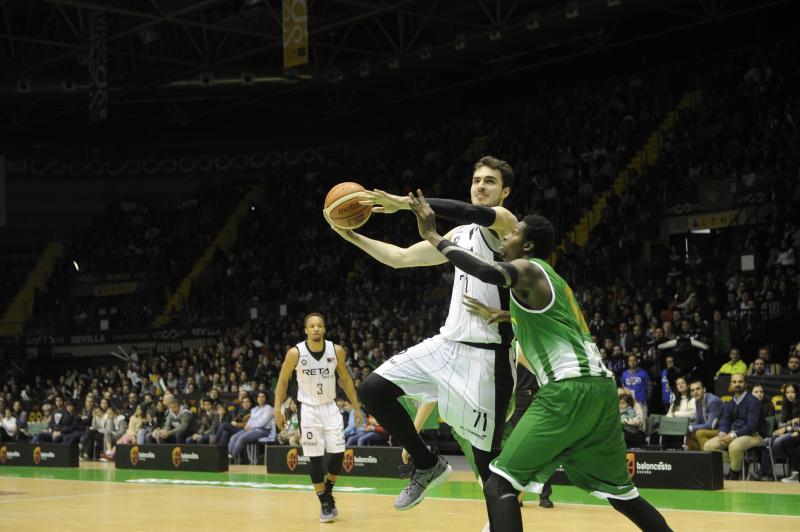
357 461
171 457
668 469
42 455
295 33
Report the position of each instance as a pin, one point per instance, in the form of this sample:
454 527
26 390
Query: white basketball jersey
461 325
316 374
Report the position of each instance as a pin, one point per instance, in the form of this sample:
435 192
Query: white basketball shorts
473 385
322 429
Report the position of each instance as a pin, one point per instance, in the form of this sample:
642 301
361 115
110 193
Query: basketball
343 207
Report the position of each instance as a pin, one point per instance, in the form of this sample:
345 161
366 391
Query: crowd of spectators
151 245
664 331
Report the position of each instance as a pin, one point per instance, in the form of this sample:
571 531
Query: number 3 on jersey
320 389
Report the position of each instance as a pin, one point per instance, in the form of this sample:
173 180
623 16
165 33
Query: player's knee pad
335 463
497 488
317 470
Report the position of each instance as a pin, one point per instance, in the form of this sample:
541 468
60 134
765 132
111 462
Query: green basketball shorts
574 423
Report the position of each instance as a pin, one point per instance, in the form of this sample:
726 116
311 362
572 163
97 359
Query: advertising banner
669 469
98 68
39 455
172 457
295 33
358 461
100 338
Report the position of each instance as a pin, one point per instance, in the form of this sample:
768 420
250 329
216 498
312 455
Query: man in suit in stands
709 410
738 426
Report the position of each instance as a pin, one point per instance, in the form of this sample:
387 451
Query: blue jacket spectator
709 409
741 417
636 380
666 391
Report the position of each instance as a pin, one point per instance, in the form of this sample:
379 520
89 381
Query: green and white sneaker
421 480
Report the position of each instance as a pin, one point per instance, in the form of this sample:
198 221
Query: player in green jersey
574 420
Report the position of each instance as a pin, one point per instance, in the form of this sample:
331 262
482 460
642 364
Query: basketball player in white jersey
468 367
317 362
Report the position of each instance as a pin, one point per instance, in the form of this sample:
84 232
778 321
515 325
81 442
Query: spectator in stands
8 426
624 338
770 367
735 365
373 434
116 427
61 423
598 327
154 414
757 370
767 408
632 424
177 422
684 404
83 420
790 448
720 334
130 405
637 381
290 435
209 424
351 427
260 425
92 438
22 420
793 366
134 425
738 426
789 423
666 390
46 417
708 411
240 417
223 415
616 362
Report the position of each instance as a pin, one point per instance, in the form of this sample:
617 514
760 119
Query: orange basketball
344 208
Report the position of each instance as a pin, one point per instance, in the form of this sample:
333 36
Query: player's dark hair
540 231
309 316
500 165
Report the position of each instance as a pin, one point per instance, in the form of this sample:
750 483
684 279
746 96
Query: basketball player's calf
323 485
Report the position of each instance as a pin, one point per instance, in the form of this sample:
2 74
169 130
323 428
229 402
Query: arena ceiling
204 68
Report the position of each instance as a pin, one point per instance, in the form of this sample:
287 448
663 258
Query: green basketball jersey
555 340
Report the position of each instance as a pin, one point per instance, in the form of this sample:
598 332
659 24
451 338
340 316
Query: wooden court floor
54 505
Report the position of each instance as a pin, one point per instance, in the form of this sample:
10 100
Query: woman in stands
8 426
683 405
767 408
789 422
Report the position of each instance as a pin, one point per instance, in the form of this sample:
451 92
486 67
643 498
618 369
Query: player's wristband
463 213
